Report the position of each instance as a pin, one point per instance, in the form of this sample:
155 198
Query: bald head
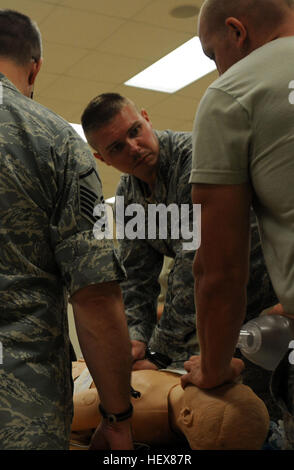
264 14
230 30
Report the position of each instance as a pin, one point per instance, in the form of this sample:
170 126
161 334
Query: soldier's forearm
103 336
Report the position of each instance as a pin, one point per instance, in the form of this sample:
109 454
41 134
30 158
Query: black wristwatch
113 418
160 360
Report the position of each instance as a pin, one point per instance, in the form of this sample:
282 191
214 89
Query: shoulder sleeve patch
90 194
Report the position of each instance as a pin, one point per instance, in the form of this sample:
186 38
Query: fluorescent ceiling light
176 70
79 129
110 200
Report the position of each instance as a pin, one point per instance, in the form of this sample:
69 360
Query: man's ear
35 69
237 30
145 115
99 157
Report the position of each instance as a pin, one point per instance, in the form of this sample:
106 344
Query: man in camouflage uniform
158 166
48 189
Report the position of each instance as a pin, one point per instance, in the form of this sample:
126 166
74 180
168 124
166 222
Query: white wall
73 333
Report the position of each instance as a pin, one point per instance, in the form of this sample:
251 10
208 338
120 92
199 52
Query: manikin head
230 30
121 135
20 50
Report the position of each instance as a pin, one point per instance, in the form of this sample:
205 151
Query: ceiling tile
54 2
117 8
75 89
143 41
78 28
114 69
158 13
58 58
37 10
177 106
63 108
43 81
142 98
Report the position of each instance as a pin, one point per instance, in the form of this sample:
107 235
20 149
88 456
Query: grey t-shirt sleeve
82 259
221 140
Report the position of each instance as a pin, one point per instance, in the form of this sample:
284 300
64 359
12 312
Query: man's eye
116 148
134 132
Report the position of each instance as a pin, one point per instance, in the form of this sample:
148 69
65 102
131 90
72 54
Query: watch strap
116 417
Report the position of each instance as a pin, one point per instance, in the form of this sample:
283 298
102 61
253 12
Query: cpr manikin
228 417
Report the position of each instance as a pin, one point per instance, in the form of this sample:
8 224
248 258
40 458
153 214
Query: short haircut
20 38
101 110
264 14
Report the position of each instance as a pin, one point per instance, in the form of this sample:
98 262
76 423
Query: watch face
160 360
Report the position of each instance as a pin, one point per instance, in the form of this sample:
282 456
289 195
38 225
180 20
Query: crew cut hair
101 110
20 38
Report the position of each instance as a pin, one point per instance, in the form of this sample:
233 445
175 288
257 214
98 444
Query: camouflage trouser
282 389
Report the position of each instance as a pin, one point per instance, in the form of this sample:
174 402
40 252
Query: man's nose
134 146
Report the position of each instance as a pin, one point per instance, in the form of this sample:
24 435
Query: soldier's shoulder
37 117
175 145
50 118
17 104
170 136
182 141
55 130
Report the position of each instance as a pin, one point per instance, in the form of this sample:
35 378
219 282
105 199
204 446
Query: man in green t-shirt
243 150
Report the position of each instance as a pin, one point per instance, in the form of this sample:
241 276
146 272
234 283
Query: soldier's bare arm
221 274
104 340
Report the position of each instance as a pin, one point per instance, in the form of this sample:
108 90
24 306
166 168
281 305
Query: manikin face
127 143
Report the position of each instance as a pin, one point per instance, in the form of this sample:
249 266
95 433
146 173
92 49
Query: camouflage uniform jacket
175 334
48 189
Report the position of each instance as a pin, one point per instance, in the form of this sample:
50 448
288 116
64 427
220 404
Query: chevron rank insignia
89 194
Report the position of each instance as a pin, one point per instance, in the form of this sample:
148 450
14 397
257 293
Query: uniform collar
7 83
